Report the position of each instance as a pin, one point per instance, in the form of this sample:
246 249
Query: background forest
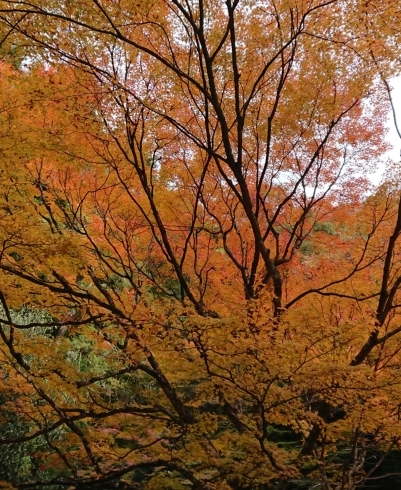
199 285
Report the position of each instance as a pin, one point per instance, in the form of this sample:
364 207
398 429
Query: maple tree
199 286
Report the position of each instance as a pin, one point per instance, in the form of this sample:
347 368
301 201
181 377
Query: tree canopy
199 285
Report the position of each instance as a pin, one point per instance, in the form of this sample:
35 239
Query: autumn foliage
199 285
